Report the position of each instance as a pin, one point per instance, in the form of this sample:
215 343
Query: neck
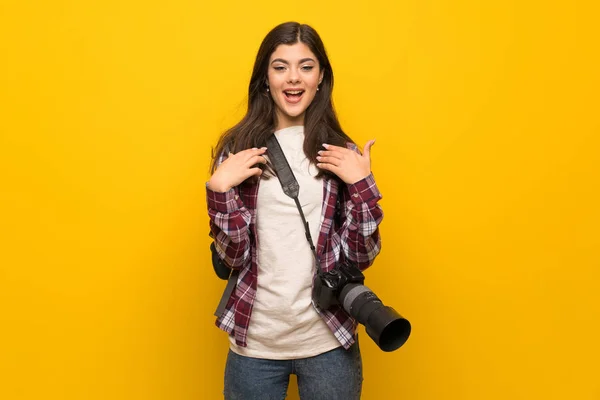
287 121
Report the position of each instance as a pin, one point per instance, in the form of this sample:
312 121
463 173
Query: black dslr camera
343 285
328 285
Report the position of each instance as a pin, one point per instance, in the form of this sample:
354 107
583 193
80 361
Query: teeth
293 91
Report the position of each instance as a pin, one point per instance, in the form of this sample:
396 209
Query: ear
321 77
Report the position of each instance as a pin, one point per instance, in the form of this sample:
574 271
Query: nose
293 77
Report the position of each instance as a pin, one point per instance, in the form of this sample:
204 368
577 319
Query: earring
268 90
317 88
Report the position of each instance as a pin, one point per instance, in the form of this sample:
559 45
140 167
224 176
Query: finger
329 160
247 173
367 148
255 171
327 153
329 167
323 166
252 152
331 147
244 156
256 160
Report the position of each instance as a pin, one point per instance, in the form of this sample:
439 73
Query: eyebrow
281 60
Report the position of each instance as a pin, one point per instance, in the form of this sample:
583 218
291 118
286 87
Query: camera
222 270
343 285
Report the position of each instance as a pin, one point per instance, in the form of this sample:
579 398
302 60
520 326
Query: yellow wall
487 154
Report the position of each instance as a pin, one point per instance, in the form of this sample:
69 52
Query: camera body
329 285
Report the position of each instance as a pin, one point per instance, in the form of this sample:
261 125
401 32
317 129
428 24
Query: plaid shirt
233 225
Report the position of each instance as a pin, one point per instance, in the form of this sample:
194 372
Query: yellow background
487 155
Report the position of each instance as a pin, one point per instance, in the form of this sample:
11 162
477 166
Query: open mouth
293 96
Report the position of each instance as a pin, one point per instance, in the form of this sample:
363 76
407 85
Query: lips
293 96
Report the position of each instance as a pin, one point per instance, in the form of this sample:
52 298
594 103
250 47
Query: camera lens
388 329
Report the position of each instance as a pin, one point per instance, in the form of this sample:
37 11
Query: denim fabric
333 375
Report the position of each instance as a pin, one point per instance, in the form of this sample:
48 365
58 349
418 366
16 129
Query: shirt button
355 195
237 197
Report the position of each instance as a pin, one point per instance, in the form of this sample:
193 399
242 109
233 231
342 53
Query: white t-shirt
284 324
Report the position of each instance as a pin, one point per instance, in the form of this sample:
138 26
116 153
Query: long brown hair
320 120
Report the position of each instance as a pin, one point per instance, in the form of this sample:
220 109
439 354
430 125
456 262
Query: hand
236 169
349 165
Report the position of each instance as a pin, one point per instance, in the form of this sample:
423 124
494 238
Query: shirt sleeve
229 224
361 215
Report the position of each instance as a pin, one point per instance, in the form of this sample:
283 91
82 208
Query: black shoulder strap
289 184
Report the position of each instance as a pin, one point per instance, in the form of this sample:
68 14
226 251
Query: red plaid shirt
233 224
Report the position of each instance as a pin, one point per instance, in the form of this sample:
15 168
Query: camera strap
290 186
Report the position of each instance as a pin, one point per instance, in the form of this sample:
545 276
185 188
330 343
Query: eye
279 68
307 67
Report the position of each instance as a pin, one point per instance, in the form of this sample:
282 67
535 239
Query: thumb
367 148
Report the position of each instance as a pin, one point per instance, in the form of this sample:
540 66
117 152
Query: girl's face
293 78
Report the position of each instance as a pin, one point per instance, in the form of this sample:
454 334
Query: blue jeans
333 375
